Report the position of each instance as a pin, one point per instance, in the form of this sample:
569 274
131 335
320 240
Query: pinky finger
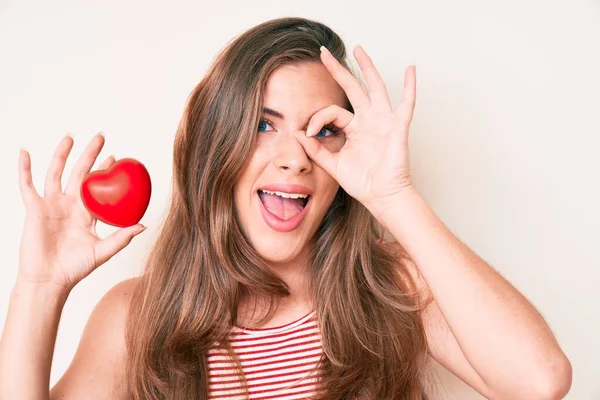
28 192
407 105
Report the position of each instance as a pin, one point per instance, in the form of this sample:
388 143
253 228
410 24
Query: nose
290 156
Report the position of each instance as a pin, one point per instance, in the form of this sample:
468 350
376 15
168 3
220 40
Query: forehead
301 88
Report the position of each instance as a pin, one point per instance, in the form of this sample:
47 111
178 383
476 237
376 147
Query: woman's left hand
373 164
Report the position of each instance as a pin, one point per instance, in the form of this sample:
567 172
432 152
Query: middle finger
377 90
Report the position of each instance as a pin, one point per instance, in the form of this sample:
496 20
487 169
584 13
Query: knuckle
53 174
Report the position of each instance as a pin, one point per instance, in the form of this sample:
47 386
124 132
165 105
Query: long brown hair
201 263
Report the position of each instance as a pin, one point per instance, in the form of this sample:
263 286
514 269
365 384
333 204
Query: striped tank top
278 363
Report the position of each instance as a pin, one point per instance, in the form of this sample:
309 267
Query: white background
504 141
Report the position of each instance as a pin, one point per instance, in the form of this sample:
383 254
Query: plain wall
504 140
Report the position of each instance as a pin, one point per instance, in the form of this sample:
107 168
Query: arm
499 342
97 370
98 367
28 340
59 248
479 326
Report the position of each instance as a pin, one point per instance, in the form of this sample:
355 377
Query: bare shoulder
98 367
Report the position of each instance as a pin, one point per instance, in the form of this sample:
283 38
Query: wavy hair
367 305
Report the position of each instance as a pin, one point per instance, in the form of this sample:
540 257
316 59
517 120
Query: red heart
118 195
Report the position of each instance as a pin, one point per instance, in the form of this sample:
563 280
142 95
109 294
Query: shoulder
109 317
113 307
98 367
119 296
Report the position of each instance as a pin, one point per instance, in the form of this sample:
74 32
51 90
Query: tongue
281 207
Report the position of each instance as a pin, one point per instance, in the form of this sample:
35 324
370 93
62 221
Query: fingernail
70 135
323 48
102 134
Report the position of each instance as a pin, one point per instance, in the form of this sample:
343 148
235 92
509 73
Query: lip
278 224
287 188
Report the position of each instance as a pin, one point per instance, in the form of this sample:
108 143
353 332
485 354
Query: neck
296 274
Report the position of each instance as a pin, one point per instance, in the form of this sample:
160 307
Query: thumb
319 153
115 242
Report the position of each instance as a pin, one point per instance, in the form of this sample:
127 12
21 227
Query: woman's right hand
59 245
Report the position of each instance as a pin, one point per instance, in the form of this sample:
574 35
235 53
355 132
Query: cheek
242 189
249 176
336 143
327 186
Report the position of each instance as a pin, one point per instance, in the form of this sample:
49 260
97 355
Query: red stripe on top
278 363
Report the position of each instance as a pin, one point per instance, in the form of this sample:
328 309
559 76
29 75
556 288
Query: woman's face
280 228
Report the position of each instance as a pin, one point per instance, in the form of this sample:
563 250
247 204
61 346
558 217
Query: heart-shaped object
118 195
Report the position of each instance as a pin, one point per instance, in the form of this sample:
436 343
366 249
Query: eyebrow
272 112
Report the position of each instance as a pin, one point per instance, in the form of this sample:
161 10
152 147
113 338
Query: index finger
353 88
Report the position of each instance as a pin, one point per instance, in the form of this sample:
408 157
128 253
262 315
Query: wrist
389 204
24 287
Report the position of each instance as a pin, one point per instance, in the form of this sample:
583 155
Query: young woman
269 275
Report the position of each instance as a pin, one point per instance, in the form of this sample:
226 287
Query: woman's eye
262 125
327 128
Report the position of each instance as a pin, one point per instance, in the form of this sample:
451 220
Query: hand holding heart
59 245
118 195
374 163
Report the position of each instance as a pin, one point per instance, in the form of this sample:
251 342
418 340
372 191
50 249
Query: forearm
28 340
500 333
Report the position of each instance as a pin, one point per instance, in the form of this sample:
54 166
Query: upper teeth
286 195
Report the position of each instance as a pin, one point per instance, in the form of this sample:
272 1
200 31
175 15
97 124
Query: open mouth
284 208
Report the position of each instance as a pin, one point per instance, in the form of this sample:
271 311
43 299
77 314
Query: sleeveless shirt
278 363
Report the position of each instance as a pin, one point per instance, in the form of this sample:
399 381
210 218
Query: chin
279 251
275 258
